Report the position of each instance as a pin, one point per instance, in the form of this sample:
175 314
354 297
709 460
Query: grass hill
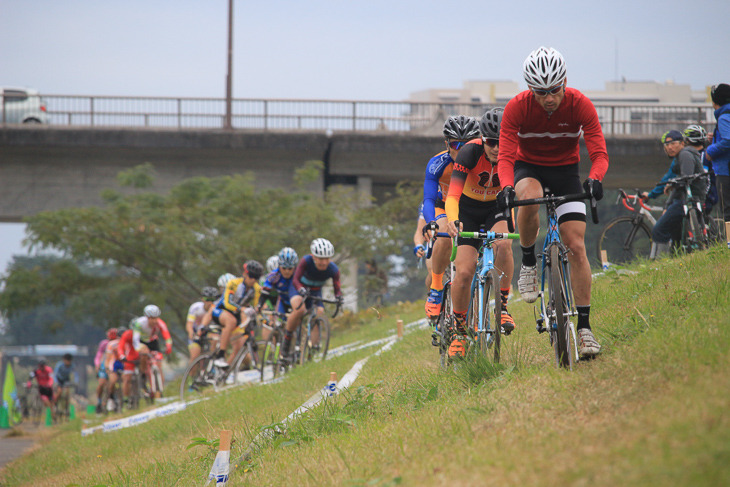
651 410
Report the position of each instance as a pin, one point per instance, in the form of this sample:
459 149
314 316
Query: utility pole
229 77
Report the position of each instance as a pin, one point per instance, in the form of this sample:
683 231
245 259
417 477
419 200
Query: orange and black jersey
473 176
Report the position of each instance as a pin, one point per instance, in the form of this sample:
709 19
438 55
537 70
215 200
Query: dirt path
14 447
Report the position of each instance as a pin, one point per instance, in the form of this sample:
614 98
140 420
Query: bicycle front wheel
269 356
195 379
490 337
443 324
564 342
624 240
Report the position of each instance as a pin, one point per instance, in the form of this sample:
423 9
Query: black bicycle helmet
490 122
253 268
461 128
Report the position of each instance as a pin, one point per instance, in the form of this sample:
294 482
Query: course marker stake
399 325
221 465
332 384
604 260
727 233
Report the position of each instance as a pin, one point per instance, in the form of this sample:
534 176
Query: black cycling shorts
475 215
561 181
46 391
153 345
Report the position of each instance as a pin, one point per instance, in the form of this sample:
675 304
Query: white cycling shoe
527 283
587 344
220 363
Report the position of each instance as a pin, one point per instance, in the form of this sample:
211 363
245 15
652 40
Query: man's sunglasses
552 91
490 142
457 144
286 268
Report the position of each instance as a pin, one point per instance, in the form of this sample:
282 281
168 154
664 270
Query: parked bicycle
627 237
557 307
695 235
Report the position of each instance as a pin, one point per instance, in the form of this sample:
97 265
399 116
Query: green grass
651 410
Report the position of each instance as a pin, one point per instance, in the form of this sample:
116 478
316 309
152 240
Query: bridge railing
335 115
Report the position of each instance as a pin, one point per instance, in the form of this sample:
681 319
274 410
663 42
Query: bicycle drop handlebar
321 300
478 235
551 199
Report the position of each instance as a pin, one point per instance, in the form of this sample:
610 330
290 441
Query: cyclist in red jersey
539 138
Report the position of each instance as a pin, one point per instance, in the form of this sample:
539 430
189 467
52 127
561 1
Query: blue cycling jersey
436 183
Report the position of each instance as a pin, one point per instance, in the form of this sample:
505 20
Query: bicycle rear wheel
564 342
490 338
318 351
156 383
624 240
443 323
269 355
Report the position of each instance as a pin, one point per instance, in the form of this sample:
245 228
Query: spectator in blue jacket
673 143
719 151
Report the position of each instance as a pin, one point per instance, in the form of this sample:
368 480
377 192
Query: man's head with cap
673 142
720 94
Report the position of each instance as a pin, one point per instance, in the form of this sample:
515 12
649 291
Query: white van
22 105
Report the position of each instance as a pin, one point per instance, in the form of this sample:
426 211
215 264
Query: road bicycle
484 302
627 237
557 306
202 374
154 376
269 353
62 407
33 404
695 234
314 334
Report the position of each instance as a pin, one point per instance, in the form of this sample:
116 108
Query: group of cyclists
513 153
288 288
51 381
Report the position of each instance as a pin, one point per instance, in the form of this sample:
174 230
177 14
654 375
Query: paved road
12 448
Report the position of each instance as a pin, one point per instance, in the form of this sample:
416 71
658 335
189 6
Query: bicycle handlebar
481 236
322 300
551 199
685 180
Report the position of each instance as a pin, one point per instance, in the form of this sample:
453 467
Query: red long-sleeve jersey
529 133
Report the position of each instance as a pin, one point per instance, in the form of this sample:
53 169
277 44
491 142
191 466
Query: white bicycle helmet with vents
544 68
224 278
151 311
321 247
272 263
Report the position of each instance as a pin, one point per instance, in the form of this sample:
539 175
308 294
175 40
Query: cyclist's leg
504 263
194 349
528 185
228 323
668 226
294 319
439 261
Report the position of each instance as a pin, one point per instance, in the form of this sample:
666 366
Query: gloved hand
505 198
303 292
340 301
594 187
168 348
429 227
250 312
419 250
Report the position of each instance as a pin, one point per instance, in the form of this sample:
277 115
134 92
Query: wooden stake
225 444
727 233
333 376
399 324
604 260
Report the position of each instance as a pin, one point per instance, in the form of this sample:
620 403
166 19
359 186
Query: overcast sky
339 49
370 50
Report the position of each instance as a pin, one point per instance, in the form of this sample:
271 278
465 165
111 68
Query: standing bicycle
541 130
686 190
627 237
557 305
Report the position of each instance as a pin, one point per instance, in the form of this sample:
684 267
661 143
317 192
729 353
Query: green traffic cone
71 412
90 410
4 417
49 417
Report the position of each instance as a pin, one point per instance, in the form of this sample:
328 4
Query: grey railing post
266 115
354 115
613 120
3 108
91 106
179 113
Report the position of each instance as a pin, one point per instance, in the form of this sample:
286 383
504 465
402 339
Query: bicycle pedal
435 340
540 328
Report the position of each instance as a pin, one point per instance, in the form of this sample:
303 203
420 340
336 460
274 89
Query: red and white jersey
529 133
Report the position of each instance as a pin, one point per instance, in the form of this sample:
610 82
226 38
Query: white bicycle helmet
695 134
544 68
224 278
321 247
151 311
272 263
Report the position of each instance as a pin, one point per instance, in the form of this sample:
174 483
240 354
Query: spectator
719 151
671 149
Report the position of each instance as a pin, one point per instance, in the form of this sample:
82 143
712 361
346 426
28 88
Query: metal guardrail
335 115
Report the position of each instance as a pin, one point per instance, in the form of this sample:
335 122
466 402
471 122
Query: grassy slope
650 411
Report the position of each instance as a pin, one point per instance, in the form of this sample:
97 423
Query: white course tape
250 376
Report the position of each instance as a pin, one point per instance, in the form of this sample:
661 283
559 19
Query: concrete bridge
49 167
